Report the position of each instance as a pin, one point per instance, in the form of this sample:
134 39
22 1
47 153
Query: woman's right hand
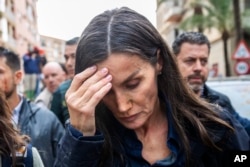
85 92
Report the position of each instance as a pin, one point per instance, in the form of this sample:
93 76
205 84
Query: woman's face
133 97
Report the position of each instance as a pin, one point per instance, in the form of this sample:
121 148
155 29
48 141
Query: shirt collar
17 110
18 107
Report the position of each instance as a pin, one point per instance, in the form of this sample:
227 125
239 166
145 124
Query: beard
197 87
9 93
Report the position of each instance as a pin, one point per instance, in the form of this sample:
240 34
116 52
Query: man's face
69 55
193 64
8 78
53 76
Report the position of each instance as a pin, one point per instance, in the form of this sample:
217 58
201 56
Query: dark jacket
58 104
76 150
44 129
221 99
32 65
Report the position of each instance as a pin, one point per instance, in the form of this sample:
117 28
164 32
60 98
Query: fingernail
104 70
109 85
92 67
109 77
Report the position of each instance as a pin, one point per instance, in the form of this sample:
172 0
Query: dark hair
63 68
12 59
72 41
189 37
2 49
126 31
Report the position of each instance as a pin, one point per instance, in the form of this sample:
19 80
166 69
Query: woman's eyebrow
131 76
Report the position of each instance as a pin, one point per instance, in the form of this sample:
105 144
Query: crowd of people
38 123
123 97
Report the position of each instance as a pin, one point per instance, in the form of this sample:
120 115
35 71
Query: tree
237 21
245 20
215 14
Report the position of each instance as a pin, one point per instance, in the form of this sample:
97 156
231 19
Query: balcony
11 43
173 14
2 6
10 15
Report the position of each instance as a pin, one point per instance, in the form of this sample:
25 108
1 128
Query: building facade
18 25
53 48
19 30
19 33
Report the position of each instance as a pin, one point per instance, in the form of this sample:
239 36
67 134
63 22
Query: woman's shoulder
37 161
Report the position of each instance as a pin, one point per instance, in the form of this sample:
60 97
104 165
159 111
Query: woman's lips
130 118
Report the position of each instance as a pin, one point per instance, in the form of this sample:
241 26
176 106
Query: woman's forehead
117 61
122 66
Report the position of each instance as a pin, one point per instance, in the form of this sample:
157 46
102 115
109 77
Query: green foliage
215 13
159 2
246 20
212 14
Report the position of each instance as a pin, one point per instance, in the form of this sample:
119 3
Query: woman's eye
132 85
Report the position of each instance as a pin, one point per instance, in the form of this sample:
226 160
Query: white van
237 89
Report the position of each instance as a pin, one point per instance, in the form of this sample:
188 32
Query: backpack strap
28 160
24 158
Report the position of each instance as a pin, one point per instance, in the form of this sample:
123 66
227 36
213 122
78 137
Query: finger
95 89
79 100
84 121
96 98
80 78
93 80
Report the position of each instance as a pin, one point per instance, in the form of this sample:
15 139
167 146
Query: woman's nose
124 103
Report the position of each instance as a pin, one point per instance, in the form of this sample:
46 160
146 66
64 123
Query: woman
14 150
129 107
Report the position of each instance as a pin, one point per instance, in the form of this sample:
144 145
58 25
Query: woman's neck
153 136
157 122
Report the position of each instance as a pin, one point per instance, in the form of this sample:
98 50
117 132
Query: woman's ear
159 63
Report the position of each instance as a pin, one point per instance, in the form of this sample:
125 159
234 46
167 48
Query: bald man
54 74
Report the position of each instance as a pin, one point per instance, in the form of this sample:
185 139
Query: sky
65 19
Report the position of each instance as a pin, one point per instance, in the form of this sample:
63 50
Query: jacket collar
209 94
27 111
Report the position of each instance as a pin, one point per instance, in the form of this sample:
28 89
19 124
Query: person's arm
56 106
239 139
243 121
37 161
76 150
86 90
57 133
